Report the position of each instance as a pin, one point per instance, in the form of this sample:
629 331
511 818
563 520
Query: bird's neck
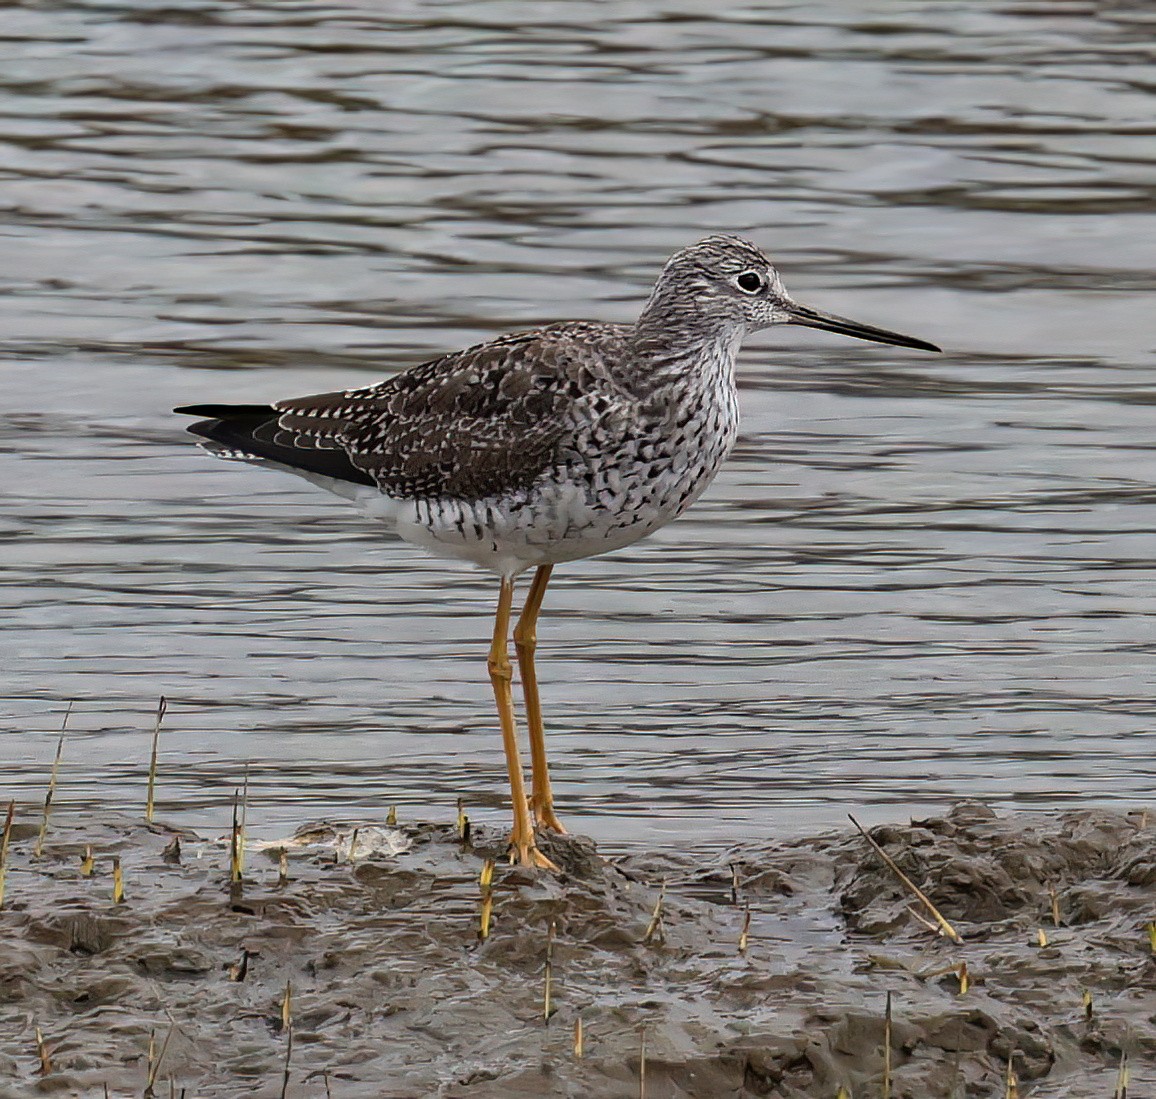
682 349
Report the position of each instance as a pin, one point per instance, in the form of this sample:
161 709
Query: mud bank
393 994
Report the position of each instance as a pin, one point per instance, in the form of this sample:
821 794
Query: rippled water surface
918 578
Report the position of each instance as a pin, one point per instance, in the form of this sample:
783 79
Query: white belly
555 521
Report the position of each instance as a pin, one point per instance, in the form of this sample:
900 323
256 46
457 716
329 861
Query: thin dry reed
548 975
887 1049
1122 1078
642 1065
150 801
944 926
5 840
287 1027
51 791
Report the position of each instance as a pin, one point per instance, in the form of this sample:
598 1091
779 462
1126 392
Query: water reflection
917 579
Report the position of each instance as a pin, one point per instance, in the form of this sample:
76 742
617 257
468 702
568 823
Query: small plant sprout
236 858
485 881
655 930
44 1054
1011 1080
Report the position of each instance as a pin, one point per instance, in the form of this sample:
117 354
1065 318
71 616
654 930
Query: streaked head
726 284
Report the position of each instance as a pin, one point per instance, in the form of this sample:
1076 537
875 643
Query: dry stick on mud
150 801
642 1066
150 1065
39 849
944 926
548 979
579 1038
117 881
244 822
1121 1091
887 1049
287 1026
4 841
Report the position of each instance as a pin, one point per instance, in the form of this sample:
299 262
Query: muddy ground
393 995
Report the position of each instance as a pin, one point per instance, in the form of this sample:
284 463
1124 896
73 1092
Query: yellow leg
522 843
526 641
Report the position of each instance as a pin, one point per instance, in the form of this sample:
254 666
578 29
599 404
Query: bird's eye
750 282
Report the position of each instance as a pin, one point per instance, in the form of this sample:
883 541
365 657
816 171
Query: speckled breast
607 490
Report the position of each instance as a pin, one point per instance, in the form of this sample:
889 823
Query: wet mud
761 971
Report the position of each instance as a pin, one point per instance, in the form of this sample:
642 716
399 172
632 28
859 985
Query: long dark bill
828 322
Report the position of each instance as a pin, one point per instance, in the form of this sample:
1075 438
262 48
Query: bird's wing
466 426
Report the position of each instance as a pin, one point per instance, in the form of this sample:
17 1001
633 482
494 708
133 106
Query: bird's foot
526 853
545 818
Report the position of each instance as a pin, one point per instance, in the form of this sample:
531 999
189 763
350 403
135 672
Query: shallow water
919 577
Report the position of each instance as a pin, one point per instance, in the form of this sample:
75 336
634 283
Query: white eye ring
750 282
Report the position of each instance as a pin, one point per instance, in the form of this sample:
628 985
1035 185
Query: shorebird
541 447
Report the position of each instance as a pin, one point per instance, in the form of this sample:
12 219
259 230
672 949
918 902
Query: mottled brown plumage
470 425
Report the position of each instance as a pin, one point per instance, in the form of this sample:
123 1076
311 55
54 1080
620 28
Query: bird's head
727 288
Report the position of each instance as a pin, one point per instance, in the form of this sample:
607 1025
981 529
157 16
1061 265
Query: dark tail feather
226 411
250 432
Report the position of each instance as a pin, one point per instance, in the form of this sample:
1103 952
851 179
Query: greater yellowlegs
541 447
